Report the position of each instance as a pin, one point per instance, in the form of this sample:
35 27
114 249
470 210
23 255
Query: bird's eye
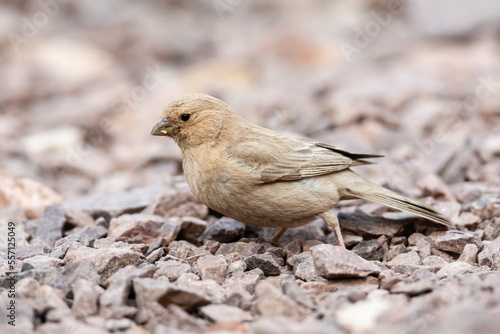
185 117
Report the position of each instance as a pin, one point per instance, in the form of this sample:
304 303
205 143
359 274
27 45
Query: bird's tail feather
375 193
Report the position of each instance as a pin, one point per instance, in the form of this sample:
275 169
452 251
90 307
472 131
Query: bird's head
193 119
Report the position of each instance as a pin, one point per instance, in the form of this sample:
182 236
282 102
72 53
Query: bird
265 178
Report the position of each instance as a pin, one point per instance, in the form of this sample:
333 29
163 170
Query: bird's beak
162 128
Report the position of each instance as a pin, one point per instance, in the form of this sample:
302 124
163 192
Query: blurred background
83 82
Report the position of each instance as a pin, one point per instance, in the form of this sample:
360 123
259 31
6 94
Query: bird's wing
286 159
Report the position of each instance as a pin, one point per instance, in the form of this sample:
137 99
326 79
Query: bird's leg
275 241
332 220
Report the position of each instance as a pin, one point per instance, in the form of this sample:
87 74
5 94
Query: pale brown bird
262 177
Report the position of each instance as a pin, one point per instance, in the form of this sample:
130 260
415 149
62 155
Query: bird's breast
207 177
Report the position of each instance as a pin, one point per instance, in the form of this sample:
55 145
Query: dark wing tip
353 156
359 162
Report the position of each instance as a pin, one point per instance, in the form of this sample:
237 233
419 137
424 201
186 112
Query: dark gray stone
155 255
191 229
265 262
370 250
303 266
224 230
372 226
25 252
50 226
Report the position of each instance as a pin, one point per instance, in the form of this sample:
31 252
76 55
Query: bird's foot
333 221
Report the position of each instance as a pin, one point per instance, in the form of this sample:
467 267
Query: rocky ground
109 238
155 260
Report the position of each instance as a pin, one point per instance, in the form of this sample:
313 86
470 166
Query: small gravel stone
492 229
278 253
414 238
487 207
369 250
224 230
86 296
124 275
469 254
308 244
455 269
106 261
186 251
208 289
236 266
291 289
50 302
336 262
141 228
28 251
292 248
191 229
388 278
414 288
89 234
399 240
49 227
371 226
424 248
271 301
395 251
466 219
40 262
245 249
444 255
171 269
176 204
352 240
155 255
211 246
433 260
454 241
212 267
225 313
265 262
303 266
245 280
448 209
410 258
150 290
490 255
